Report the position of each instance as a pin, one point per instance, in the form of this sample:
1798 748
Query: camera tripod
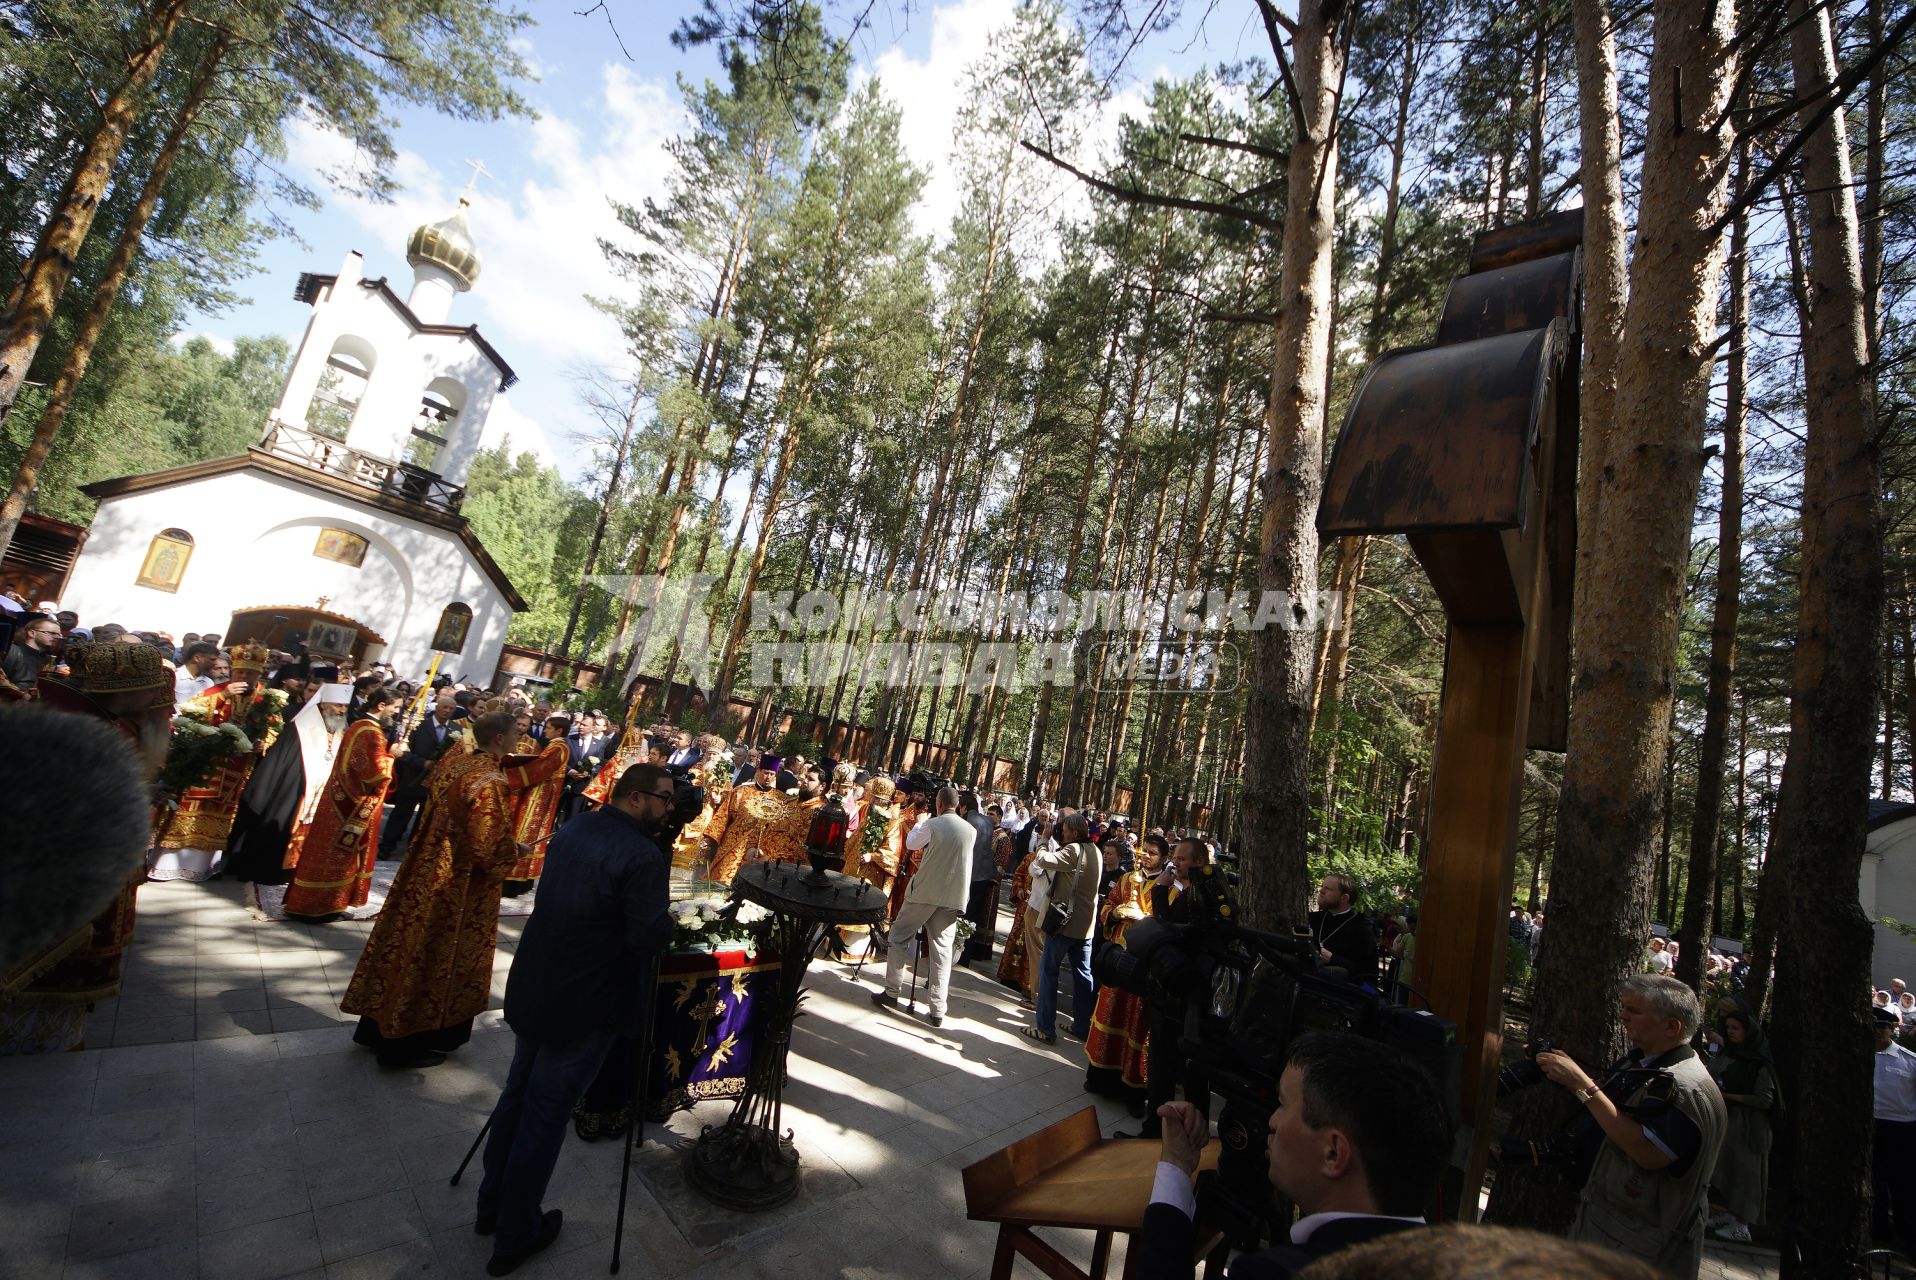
648 983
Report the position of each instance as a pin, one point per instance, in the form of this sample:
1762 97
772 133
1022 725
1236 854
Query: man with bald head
934 899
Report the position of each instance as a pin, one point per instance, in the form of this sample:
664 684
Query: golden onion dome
447 245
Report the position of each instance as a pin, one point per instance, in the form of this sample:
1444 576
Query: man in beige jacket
934 899
1074 888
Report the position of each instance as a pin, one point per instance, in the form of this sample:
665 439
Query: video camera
1242 997
1637 1091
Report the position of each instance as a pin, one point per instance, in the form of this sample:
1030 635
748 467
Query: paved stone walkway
221 1124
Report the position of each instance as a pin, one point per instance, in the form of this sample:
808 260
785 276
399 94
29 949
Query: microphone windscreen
75 819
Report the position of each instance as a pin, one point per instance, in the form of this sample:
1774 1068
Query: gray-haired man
1663 1121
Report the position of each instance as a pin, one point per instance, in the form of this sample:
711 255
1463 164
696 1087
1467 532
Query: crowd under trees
1120 368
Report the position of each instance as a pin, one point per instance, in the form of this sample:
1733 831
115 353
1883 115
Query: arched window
439 410
454 623
166 558
342 385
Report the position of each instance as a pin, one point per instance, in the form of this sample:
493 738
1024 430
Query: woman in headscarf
1747 1080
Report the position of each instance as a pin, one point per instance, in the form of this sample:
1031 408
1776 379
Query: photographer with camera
1358 1141
1650 1131
1070 914
574 987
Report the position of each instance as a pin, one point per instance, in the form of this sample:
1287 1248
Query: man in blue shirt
575 985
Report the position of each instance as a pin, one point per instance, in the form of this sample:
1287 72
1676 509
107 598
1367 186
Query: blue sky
603 120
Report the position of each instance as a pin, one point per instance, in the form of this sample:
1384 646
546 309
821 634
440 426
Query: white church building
342 525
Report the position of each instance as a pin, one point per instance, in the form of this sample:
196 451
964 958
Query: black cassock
268 807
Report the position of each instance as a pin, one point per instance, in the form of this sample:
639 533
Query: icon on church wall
341 546
331 640
166 560
453 625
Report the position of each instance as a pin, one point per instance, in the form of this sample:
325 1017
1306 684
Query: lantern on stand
825 842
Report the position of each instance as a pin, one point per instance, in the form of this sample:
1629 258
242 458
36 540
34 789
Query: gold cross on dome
479 171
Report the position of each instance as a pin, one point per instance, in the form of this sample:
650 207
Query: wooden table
1070 1175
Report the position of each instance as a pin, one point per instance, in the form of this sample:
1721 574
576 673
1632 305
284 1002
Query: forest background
1069 385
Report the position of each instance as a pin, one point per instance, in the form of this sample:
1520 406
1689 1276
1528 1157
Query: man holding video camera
574 987
1661 1121
1358 1141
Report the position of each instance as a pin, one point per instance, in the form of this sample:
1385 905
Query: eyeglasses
661 795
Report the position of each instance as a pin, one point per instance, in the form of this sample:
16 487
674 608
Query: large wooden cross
1468 447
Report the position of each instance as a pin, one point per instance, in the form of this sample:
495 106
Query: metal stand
747 1163
649 985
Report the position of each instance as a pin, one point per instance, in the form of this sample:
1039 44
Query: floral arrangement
711 923
198 749
202 742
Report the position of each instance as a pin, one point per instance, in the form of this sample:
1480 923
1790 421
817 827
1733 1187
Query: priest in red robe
335 869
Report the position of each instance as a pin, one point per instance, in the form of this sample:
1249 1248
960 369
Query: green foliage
152 408
534 525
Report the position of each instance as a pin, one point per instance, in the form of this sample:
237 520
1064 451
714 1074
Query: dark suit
981 908
425 744
1164 1246
581 749
576 982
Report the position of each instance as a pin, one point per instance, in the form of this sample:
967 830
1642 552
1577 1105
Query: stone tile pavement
220 1123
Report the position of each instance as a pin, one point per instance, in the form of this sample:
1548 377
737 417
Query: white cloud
222 345
929 92
506 423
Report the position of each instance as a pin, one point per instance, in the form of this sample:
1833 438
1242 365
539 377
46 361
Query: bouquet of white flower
713 923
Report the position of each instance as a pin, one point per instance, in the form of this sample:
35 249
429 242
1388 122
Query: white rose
692 923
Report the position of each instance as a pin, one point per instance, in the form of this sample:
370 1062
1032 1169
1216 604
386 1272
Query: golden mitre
117 668
249 659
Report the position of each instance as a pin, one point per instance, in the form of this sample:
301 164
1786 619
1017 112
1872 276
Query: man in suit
576 984
1358 1141
684 754
934 898
981 907
427 742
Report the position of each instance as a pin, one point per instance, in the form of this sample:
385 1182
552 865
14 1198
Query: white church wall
1891 891
253 537
323 328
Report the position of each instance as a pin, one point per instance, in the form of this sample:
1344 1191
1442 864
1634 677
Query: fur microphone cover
74 824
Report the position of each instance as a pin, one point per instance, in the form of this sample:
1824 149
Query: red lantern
825 842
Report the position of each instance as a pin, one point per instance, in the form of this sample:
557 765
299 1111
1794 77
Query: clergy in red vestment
336 855
427 969
535 784
189 838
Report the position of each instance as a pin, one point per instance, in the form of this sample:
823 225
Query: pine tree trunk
1704 888
30 307
1276 797
1823 1045
1640 472
27 479
599 526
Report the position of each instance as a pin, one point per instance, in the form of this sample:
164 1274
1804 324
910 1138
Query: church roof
260 460
1884 812
311 283
448 245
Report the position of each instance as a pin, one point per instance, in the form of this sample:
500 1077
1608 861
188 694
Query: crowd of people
309 773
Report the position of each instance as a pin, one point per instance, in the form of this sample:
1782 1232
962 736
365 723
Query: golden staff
418 707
